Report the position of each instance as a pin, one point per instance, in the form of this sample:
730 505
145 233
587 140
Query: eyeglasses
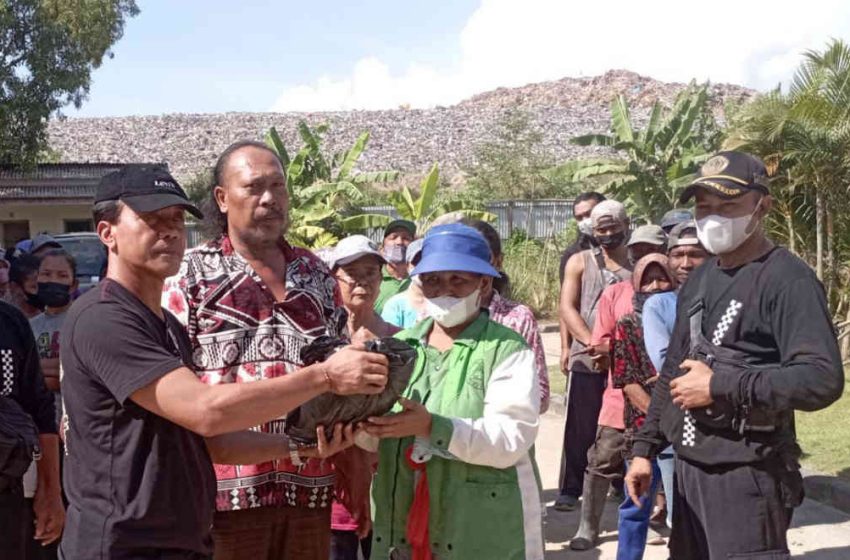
359 279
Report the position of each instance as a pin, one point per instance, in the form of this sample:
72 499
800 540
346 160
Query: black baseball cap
144 188
407 225
729 175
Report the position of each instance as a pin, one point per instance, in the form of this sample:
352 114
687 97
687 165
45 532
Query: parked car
90 255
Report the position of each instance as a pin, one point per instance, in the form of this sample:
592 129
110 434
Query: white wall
47 217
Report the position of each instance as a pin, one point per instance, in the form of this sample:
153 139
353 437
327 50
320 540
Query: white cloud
514 42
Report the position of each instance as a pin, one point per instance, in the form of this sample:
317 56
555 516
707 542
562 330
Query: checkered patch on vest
7 369
726 321
689 430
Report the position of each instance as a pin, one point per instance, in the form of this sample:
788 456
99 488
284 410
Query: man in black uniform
753 342
21 380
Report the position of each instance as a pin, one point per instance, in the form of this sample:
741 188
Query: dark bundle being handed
329 409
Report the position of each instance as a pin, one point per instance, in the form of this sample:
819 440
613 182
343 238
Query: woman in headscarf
633 372
456 477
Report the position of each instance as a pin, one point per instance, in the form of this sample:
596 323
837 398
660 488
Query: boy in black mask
57 280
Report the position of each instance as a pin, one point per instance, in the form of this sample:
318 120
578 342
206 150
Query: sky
212 56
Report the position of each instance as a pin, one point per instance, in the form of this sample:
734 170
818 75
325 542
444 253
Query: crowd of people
688 344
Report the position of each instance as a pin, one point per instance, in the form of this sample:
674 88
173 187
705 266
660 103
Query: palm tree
655 163
806 133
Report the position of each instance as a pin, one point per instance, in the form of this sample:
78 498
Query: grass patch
557 381
824 438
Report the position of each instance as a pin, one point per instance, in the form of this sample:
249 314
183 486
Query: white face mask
450 311
586 226
721 235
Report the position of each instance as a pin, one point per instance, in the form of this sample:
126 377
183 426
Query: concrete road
818 533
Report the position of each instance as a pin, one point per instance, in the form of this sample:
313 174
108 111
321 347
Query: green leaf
621 120
597 169
313 140
274 141
427 192
593 140
406 207
375 177
654 123
295 169
363 222
308 232
317 215
324 239
352 156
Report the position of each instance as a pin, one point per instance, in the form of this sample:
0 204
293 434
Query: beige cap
608 211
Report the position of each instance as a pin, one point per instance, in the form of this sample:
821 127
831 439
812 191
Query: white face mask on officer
721 235
585 227
448 311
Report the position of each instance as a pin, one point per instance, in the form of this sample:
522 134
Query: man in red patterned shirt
250 302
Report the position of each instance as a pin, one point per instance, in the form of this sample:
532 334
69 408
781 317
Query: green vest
476 512
390 286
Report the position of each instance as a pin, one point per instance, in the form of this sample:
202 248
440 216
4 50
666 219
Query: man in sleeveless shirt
587 274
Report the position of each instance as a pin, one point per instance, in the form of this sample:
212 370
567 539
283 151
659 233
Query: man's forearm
247 448
638 398
233 407
576 326
649 440
47 467
50 370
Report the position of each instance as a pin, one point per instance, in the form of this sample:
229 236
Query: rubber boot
593 499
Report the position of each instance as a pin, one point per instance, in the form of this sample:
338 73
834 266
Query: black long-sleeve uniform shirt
21 378
773 311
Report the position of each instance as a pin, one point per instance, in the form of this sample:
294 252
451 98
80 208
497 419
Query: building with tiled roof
53 198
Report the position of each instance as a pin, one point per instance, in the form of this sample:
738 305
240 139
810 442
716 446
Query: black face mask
34 301
54 294
611 241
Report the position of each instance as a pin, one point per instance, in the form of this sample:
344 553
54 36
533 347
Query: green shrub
532 267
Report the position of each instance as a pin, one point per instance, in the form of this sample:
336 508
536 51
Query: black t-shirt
136 482
583 243
20 369
773 311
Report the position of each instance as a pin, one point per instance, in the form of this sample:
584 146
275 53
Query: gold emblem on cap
714 166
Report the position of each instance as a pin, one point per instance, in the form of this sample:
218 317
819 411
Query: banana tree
320 187
656 162
422 210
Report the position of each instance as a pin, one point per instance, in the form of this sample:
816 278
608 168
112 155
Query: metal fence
539 219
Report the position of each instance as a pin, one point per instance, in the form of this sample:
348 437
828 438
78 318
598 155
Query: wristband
293 454
328 379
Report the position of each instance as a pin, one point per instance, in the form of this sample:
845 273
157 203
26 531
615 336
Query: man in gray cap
645 240
675 217
588 273
753 342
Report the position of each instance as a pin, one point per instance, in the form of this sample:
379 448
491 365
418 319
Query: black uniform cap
729 175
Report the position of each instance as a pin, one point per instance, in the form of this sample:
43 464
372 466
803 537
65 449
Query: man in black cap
397 236
753 342
141 427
